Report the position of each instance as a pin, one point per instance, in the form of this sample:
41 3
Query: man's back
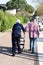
17 28
33 30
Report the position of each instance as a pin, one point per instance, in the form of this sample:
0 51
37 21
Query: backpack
17 31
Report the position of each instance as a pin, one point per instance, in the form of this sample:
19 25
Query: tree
16 4
29 8
10 5
39 10
19 4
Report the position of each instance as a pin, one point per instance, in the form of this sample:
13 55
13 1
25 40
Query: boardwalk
26 58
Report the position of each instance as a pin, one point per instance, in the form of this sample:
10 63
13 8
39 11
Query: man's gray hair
18 21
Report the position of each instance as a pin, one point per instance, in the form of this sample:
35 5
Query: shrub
23 19
26 19
7 20
0 25
19 16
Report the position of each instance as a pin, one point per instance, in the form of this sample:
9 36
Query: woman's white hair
18 21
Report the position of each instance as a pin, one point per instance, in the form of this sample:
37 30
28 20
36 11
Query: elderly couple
33 30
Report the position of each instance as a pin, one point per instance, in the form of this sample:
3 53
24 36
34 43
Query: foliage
39 10
7 20
16 4
0 25
19 16
26 19
29 8
23 18
20 4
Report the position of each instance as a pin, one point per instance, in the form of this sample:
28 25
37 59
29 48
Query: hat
18 21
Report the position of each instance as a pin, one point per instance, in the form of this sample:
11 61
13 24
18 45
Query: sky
3 1
31 2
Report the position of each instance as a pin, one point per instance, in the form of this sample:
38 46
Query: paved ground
26 58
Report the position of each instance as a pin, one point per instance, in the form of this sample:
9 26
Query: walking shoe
29 49
13 55
32 52
19 52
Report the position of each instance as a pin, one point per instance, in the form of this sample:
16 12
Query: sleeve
38 30
23 28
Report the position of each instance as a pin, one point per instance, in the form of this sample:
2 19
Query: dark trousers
15 42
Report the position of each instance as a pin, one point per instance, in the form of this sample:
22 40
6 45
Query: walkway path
26 58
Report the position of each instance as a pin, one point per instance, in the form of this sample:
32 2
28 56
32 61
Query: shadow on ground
24 55
5 50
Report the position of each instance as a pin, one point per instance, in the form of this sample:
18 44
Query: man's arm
23 28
